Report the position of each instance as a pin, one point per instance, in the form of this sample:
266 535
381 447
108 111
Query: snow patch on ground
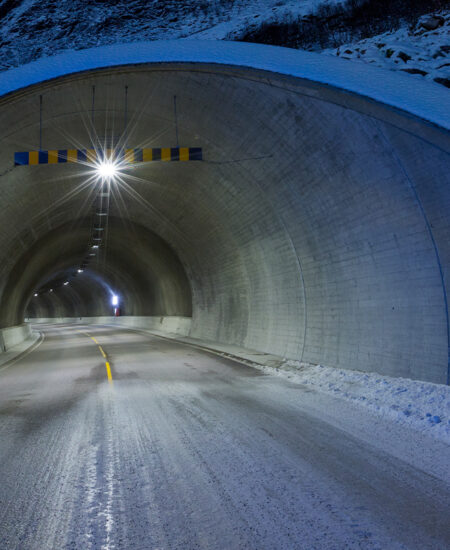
420 405
422 50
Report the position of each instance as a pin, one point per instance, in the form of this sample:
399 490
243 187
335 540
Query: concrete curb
8 358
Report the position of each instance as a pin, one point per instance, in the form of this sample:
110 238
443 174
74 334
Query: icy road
184 449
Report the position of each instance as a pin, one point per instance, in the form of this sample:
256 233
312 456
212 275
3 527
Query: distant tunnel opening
135 264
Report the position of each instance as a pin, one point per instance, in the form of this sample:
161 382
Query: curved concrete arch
136 265
317 226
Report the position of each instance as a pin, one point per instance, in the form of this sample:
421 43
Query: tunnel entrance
314 227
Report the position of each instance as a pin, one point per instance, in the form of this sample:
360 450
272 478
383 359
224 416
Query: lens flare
107 169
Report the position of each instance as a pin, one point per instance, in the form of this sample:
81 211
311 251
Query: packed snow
428 101
187 450
420 405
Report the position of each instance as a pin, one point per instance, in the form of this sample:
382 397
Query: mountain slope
31 29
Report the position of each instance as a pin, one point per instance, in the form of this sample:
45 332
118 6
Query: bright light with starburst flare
107 169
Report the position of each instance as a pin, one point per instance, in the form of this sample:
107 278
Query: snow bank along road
183 449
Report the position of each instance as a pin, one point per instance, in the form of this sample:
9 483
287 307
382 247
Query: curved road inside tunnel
184 449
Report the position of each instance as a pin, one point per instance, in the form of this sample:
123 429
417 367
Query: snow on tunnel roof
425 100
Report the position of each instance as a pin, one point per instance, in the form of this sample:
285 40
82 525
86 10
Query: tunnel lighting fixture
107 169
66 283
35 294
115 300
80 270
51 290
95 246
92 254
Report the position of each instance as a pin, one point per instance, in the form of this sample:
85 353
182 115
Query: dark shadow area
331 25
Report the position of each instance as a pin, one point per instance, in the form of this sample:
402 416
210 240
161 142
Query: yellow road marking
108 366
108 371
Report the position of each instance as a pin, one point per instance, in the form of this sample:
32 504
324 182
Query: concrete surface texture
12 336
187 450
316 227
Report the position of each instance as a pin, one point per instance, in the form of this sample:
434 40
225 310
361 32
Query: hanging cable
176 118
93 105
126 119
94 136
40 123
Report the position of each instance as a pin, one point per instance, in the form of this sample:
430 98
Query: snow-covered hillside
36 28
421 50
30 29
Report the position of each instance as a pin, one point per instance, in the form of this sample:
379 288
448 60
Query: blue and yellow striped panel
87 156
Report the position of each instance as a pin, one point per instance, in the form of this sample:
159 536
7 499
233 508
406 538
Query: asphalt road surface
113 439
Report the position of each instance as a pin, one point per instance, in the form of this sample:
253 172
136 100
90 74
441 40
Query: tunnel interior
64 280
315 227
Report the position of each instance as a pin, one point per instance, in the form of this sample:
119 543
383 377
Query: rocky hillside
421 50
33 28
414 39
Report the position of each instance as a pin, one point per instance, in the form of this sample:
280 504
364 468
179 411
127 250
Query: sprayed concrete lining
13 336
316 228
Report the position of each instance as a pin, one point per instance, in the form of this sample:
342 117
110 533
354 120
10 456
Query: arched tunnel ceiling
316 227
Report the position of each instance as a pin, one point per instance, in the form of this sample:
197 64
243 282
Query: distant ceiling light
80 270
92 254
95 246
66 283
51 290
115 300
35 294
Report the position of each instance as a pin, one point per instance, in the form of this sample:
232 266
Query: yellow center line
108 371
107 365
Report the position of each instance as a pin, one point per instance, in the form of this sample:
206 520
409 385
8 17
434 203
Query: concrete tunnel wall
316 228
